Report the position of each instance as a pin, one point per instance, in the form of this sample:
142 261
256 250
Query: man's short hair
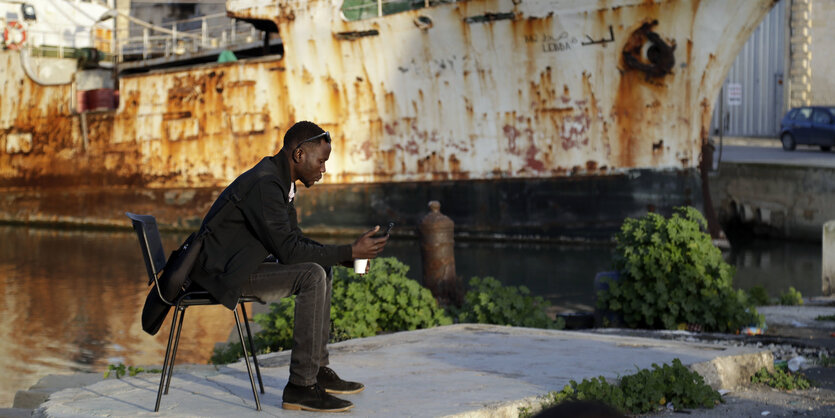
299 132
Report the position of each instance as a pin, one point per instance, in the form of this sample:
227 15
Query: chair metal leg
165 362
252 348
174 352
246 358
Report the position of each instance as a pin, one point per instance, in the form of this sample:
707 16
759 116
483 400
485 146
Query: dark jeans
312 286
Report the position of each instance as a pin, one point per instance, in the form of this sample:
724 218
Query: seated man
232 260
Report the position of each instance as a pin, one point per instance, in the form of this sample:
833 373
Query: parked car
808 125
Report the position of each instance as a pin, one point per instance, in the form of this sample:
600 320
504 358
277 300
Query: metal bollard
828 259
438 256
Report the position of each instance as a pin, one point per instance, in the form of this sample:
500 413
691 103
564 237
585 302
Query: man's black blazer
265 223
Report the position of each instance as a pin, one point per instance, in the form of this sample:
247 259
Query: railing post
205 33
379 7
145 43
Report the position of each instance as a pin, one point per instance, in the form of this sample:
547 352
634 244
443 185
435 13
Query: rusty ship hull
524 118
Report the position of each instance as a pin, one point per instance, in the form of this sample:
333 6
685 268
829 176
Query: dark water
72 299
776 265
561 273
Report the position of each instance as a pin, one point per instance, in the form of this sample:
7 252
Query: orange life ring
14 35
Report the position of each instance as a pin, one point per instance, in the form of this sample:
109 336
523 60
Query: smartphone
384 231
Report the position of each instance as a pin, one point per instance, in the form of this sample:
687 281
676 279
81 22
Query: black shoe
312 398
329 381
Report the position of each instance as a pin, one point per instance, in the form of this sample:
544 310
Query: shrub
226 354
276 327
791 298
383 300
758 296
489 302
671 274
644 391
781 379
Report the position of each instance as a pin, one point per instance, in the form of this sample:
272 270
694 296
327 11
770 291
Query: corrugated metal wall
759 71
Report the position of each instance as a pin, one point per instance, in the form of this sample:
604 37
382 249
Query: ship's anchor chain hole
423 22
646 51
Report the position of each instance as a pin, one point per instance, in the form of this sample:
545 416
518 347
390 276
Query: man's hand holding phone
368 245
384 232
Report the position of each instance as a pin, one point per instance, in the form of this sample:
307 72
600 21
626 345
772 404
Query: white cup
360 264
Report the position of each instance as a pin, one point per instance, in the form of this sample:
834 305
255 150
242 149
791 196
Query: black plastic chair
151 245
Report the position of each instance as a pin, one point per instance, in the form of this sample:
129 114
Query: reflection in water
72 299
562 274
776 265
72 302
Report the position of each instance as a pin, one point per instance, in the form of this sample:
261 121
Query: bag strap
232 201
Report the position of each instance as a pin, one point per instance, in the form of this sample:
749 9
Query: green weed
642 392
791 298
781 379
488 302
120 369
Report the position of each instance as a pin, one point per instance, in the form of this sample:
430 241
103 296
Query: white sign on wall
734 94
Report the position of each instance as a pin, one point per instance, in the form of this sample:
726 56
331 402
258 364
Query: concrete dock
465 370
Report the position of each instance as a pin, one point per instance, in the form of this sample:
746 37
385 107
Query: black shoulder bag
174 279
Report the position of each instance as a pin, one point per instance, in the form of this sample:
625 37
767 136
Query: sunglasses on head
325 134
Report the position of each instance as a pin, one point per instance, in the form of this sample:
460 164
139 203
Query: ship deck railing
196 39
188 39
365 9
200 38
51 44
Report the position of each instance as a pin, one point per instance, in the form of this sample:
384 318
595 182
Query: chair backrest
150 243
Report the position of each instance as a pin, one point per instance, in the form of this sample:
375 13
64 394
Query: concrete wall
822 52
800 53
811 56
774 200
828 257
